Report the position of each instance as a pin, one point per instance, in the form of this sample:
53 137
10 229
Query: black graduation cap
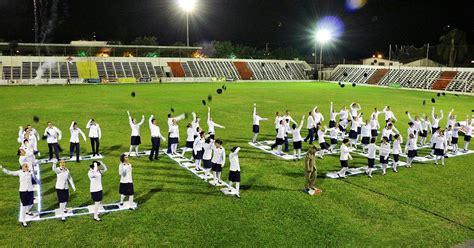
444 93
406 112
345 74
204 102
424 102
209 98
410 123
186 114
219 91
353 84
472 110
343 85
172 110
433 100
223 87
439 94
365 74
36 119
339 83
133 94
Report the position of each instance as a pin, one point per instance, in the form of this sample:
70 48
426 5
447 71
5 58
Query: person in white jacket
468 133
411 149
435 119
397 149
156 138
63 180
53 136
206 157
256 123
371 151
97 168
343 158
173 120
441 147
126 181
198 150
218 160
74 141
95 134
135 140
297 139
211 124
26 190
234 170
384 154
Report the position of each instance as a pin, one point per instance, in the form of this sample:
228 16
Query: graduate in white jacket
218 160
97 169
63 180
74 144
396 150
384 154
297 139
126 181
256 123
343 158
135 140
26 190
234 170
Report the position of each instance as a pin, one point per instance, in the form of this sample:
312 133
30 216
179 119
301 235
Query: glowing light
379 56
353 5
333 25
323 36
187 5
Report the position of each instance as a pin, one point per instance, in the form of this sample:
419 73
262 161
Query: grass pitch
422 206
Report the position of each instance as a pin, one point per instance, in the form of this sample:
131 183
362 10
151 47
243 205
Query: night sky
252 22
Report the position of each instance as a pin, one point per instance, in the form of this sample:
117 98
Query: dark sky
253 22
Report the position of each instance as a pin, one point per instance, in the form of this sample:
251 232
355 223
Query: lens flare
353 5
329 27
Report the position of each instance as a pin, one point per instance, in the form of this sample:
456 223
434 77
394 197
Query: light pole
323 36
188 7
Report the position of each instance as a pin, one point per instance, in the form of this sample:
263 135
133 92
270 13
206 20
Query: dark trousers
95 146
169 145
310 136
55 147
155 147
77 148
286 144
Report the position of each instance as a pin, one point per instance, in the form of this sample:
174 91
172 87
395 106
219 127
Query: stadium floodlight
188 6
323 36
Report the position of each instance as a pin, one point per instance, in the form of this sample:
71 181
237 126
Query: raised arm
60 134
129 118
99 131
208 113
55 169
409 117
223 155
72 125
450 113
10 173
142 121
194 116
180 117
433 113
104 167
217 125
441 116
331 108
88 125
301 123
236 150
149 120
254 109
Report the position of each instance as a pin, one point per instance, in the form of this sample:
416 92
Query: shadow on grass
108 149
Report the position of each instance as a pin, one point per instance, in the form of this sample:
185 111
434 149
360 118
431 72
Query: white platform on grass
56 213
362 170
188 164
82 158
266 147
140 153
429 158
339 137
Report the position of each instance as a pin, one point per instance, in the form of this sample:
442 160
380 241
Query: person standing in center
135 140
53 135
156 138
63 180
256 123
95 134
74 141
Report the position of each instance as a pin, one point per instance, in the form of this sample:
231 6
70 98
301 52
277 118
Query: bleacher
23 69
449 79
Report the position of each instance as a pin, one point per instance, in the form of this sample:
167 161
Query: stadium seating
20 68
436 78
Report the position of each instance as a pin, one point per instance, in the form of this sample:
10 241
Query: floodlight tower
323 36
188 6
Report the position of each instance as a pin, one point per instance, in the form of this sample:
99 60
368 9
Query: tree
453 46
146 41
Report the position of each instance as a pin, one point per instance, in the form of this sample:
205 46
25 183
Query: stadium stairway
377 76
244 71
444 80
177 69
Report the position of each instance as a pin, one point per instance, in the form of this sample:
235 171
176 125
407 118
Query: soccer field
422 206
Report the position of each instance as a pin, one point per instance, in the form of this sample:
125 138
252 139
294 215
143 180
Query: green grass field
423 206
